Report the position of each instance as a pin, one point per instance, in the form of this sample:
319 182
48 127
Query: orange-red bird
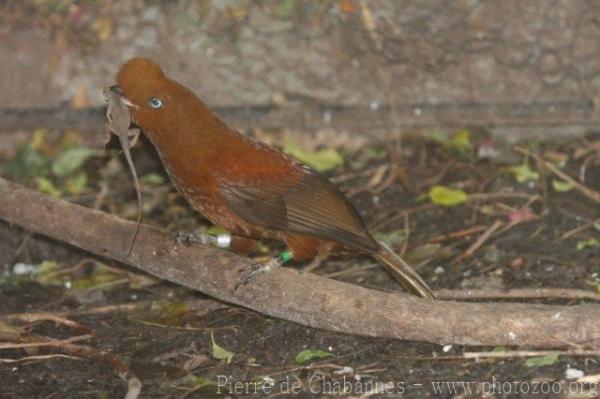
250 189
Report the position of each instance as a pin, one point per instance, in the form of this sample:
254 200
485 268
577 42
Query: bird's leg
133 134
237 244
248 273
316 262
186 237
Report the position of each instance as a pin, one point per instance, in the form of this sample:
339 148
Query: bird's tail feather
406 276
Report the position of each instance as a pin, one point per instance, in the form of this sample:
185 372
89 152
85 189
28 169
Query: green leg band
286 256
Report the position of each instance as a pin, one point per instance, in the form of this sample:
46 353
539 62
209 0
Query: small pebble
345 370
439 270
517 263
571 374
23 268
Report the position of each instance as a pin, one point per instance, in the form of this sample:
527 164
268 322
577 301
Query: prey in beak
117 90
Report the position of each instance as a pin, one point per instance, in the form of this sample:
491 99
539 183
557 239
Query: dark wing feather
311 206
259 205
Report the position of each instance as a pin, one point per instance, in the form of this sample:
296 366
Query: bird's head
162 107
145 89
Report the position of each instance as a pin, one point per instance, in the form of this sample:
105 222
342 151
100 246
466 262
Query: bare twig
579 229
303 298
44 316
458 234
39 357
52 343
480 241
584 190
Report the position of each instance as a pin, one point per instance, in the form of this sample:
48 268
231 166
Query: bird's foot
248 273
316 262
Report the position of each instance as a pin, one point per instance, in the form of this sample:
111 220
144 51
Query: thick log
303 298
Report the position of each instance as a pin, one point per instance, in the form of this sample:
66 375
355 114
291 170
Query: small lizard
118 122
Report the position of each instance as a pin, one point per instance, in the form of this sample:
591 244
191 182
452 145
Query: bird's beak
123 99
126 101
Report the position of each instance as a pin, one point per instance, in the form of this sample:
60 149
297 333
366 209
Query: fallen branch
303 298
524 354
518 293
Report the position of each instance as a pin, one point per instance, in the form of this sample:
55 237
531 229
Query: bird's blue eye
156 103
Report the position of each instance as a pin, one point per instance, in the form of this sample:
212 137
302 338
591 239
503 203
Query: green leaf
77 184
219 352
460 141
319 160
437 136
594 283
152 179
26 163
286 8
44 185
45 273
364 157
523 173
561 186
70 160
423 252
542 360
311 354
442 195
169 309
391 238
9 332
101 276
589 243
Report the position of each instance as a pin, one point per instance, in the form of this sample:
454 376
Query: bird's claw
248 273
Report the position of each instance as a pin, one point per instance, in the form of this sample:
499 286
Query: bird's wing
310 205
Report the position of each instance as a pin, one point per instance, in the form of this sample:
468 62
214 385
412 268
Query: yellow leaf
80 99
460 141
442 195
219 352
103 27
319 160
523 173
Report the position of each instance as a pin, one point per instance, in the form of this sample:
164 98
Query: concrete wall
521 67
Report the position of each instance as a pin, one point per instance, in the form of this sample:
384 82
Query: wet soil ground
171 338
